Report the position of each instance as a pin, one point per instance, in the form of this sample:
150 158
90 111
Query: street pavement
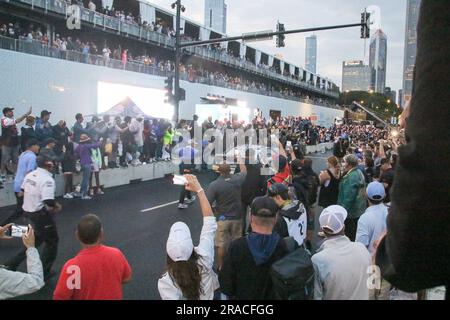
131 224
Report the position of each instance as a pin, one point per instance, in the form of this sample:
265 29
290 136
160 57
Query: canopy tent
125 108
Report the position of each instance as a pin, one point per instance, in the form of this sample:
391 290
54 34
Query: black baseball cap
45 113
264 207
296 166
7 109
278 189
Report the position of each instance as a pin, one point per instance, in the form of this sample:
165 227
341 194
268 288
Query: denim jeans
86 171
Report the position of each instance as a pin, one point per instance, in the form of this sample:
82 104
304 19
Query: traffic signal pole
262 35
364 24
177 63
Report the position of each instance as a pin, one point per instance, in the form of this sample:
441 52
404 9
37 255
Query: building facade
400 98
311 54
356 76
216 15
412 17
378 60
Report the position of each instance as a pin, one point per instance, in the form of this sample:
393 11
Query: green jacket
352 194
168 138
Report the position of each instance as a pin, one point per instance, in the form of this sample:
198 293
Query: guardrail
37 48
144 33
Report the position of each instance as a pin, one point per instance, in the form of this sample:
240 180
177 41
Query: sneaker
76 195
100 191
182 206
188 201
86 197
68 196
91 192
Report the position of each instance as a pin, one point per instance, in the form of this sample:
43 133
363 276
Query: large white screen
149 100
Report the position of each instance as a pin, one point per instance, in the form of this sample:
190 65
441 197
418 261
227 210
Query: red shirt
280 177
96 273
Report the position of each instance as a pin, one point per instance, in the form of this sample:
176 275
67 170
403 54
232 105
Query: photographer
14 284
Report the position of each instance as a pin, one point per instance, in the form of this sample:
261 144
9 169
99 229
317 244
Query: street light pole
177 62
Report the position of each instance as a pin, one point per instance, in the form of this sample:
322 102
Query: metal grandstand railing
37 48
144 33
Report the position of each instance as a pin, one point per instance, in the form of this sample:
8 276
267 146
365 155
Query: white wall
32 80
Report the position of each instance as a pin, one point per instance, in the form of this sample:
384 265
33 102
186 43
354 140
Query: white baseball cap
179 245
332 219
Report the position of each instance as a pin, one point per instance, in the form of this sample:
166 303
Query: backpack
293 275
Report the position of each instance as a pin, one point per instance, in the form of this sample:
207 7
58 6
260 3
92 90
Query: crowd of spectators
353 194
93 52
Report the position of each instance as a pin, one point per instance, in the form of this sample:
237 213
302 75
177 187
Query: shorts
95 167
227 231
10 154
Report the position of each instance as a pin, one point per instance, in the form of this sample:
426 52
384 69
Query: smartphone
179 180
17 231
289 145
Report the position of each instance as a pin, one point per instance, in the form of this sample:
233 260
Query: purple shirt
83 152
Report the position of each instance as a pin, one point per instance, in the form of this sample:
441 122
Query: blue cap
375 191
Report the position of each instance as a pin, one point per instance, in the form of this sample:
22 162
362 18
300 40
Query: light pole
179 8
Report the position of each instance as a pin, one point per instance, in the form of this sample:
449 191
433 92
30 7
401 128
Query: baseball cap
332 220
179 244
45 113
267 203
375 191
278 189
296 165
7 109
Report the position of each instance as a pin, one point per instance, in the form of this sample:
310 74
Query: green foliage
378 102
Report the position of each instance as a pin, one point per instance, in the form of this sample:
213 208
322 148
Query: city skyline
334 46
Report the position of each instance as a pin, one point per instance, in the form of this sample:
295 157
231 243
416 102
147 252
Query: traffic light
181 94
280 37
365 25
169 90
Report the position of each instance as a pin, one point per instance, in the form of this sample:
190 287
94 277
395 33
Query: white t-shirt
38 186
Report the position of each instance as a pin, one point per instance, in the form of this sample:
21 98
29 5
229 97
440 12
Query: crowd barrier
119 177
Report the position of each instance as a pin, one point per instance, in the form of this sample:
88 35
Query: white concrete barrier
323 147
108 178
118 177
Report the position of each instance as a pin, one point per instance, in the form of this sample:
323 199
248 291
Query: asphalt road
140 235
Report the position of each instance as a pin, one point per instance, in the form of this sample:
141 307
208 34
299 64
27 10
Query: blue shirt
27 163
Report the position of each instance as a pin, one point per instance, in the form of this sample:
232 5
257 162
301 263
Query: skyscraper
311 54
356 76
216 15
412 17
378 60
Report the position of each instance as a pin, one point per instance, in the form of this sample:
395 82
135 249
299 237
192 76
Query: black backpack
293 275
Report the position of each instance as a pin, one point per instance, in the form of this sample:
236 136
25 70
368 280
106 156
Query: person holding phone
14 284
190 274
